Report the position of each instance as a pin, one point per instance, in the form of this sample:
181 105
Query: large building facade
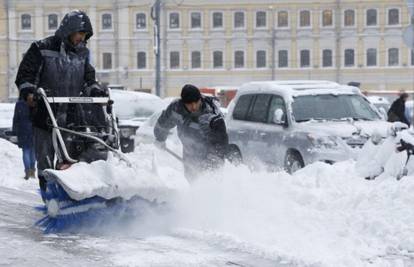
210 43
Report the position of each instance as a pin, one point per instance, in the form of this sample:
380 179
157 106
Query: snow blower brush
101 186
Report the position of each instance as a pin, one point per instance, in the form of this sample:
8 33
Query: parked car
132 109
6 122
289 124
381 103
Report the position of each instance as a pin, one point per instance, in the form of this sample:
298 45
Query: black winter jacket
58 67
397 112
204 135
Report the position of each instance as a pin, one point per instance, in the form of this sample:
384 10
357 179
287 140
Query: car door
239 127
273 135
258 116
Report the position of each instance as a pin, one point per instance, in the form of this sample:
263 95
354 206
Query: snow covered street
323 215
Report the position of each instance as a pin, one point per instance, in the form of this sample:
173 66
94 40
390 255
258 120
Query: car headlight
328 142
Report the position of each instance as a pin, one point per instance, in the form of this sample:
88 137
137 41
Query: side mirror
278 116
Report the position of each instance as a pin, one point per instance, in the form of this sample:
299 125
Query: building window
195 59
107 61
393 16
349 58
195 20
174 20
283 59
239 20
26 22
106 21
327 18
142 60
412 57
282 19
239 59
371 17
304 58
260 19
52 21
217 59
304 18
141 20
174 60
371 57
217 20
327 58
261 59
349 18
393 58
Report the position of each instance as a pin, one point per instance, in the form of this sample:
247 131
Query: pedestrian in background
23 128
397 110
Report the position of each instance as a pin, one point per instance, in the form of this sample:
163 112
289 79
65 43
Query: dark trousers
45 153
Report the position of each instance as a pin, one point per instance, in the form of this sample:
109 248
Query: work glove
95 91
160 144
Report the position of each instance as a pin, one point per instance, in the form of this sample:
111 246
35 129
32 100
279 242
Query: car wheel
293 162
234 155
127 145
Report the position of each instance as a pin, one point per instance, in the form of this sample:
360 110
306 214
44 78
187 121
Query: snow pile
325 215
12 169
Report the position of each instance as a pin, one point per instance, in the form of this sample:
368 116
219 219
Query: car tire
234 155
127 145
293 162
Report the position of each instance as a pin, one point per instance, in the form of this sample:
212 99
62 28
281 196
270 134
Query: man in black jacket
201 129
397 110
60 65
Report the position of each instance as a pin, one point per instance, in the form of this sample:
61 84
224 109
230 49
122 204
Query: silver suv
289 124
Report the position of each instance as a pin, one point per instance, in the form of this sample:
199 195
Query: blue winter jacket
22 124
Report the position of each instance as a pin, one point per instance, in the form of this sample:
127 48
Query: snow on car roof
289 89
377 99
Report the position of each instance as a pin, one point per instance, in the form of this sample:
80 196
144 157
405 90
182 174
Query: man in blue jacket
23 128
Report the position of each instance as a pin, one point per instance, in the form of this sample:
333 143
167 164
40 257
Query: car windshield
332 107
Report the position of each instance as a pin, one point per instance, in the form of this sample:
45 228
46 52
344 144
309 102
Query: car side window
242 107
276 103
260 108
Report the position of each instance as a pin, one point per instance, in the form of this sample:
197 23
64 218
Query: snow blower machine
92 183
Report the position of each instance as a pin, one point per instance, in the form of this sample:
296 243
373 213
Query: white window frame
190 28
146 22
255 20
277 59
266 59
31 22
244 59
399 58
310 58
277 19
180 67
212 20
47 21
223 59
366 18
310 20
321 19
333 58
387 17
355 58
244 20
146 59
191 60
179 20
355 19
377 58
112 60
101 22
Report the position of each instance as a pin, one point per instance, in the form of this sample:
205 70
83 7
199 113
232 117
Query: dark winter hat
190 94
74 21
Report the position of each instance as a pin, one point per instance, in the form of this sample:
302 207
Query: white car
132 109
289 124
381 103
6 121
